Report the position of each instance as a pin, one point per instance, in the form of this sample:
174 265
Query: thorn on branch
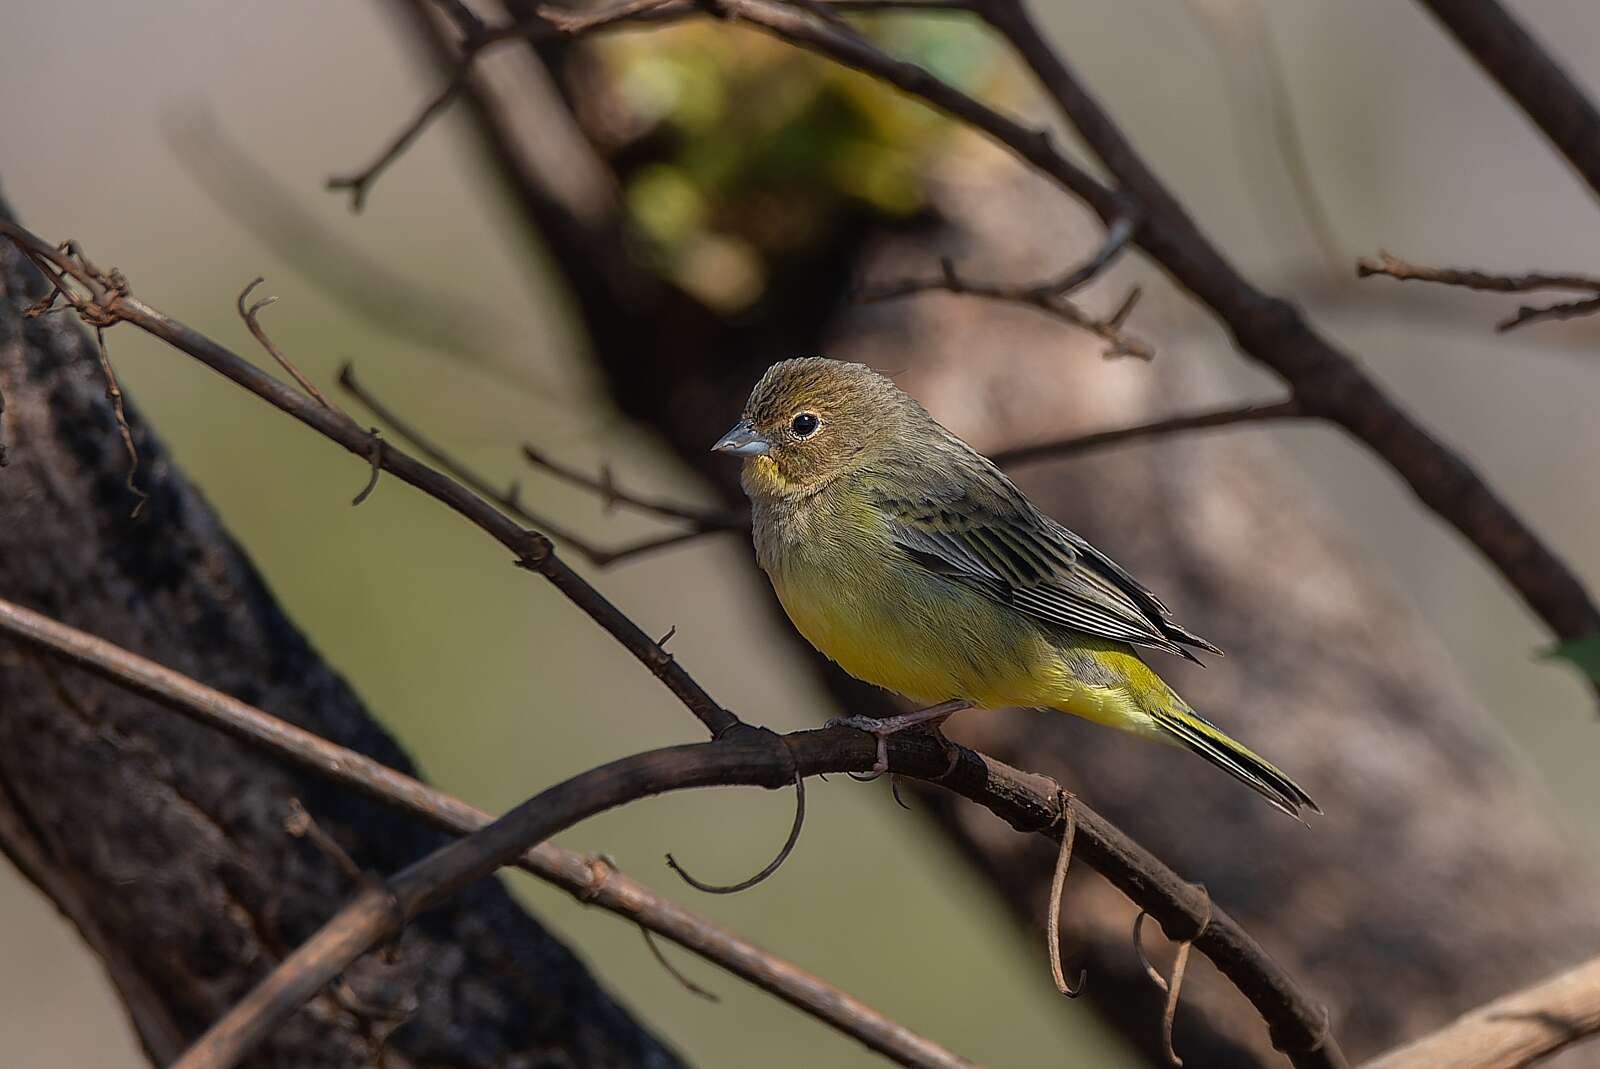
375 455
1467 278
1058 883
771 867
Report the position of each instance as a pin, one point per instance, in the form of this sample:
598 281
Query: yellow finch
908 558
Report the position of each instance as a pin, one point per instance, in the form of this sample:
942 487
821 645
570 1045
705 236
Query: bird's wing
990 538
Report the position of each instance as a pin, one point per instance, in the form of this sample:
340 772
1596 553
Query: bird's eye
805 424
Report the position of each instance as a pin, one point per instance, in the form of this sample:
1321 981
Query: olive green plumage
907 557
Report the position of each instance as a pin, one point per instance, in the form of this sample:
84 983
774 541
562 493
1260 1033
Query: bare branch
531 549
611 494
1549 96
1472 279
114 395
250 315
1048 297
510 499
1298 1025
590 880
758 758
1516 1030
1262 412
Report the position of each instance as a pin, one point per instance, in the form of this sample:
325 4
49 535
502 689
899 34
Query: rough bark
165 843
1438 879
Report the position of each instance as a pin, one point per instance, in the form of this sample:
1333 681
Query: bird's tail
1191 730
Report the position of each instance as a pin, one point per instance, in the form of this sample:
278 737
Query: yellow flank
886 622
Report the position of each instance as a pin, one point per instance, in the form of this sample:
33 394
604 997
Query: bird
910 560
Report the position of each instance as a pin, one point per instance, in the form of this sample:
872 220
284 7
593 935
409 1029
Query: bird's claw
878 731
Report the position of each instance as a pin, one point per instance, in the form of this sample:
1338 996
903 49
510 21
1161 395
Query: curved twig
771 866
1058 883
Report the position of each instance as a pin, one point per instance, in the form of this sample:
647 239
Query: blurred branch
1220 417
611 494
359 282
760 758
1521 1029
1471 279
1255 82
509 499
737 754
1529 75
591 883
107 302
1049 297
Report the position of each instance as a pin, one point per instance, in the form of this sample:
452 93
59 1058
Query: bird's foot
882 728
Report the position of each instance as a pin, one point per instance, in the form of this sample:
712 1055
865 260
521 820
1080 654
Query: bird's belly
923 638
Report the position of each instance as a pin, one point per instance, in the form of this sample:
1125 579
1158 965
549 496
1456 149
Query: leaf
1583 652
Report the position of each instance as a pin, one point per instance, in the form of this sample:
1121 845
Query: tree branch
1195 421
1518 1030
531 549
1510 55
1392 267
599 885
759 758
1299 1026
1324 380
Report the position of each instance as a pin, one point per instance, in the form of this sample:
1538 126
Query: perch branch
759 758
590 880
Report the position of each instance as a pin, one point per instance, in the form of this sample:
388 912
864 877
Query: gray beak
742 441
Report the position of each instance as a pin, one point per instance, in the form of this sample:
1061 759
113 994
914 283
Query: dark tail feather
1243 764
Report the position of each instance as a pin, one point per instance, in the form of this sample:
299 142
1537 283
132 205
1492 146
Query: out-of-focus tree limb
1520 1029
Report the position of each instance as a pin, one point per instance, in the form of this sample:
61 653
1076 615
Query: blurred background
119 131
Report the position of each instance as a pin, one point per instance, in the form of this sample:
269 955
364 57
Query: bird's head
810 421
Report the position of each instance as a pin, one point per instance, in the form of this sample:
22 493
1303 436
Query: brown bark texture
166 844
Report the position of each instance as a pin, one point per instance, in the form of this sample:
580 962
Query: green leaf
1583 652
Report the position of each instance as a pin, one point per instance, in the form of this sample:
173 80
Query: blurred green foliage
758 151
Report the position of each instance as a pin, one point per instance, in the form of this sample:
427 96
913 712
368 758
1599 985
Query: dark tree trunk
166 843
1436 881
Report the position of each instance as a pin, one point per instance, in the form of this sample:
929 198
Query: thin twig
1044 297
359 183
509 500
552 23
250 315
1469 278
673 971
109 301
578 875
118 412
771 866
611 494
1260 412
1058 883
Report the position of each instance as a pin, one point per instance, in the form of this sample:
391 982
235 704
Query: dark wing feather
990 538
